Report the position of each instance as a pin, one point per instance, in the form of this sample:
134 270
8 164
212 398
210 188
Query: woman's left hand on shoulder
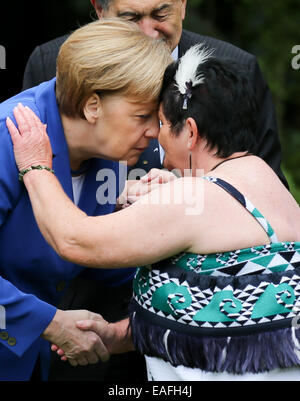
30 140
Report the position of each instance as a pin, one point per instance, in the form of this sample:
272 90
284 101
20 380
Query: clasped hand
79 347
86 341
136 189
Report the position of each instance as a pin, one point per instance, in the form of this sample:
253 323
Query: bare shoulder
251 175
254 178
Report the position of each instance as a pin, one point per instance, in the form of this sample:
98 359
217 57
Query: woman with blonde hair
218 297
101 108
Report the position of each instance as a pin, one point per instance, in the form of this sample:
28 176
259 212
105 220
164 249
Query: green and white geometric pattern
220 307
239 289
265 259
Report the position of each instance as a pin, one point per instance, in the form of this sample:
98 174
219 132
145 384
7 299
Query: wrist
54 327
38 167
33 176
120 335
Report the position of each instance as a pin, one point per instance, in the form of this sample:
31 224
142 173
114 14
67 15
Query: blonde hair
109 56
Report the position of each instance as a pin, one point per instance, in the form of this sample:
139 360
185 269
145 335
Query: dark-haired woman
219 294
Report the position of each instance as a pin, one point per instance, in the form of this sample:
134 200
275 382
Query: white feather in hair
188 66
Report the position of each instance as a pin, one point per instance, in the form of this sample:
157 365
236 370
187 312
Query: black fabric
36 374
255 353
112 303
41 65
232 191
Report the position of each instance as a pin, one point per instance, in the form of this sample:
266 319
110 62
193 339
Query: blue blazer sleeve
26 316
10 189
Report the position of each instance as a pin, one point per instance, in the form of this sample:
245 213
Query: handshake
84 337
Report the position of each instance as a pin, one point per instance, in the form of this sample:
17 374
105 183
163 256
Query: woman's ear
92 109
193 136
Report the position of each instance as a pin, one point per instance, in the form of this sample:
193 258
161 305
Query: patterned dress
232 312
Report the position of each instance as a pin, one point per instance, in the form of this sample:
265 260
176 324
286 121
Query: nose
153 130
149 27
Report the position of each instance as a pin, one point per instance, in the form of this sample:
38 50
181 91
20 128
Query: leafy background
270 30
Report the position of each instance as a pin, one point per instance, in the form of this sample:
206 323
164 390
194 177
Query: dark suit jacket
41 67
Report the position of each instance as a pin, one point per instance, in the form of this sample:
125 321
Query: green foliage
294 189
270 30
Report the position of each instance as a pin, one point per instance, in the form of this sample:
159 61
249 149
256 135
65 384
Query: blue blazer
32 276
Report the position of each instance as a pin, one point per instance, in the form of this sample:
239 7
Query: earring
191 170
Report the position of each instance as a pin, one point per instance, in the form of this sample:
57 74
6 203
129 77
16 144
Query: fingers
14 132
98 327
153 173
94 352
101 351
32 117
33 120
100 354
59 352
95 316
158 176
91 325
27 120
80 345
81 359
23 125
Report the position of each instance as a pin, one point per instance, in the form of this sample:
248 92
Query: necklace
227 160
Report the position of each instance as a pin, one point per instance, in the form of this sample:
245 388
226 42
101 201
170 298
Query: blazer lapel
187 40
182 45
